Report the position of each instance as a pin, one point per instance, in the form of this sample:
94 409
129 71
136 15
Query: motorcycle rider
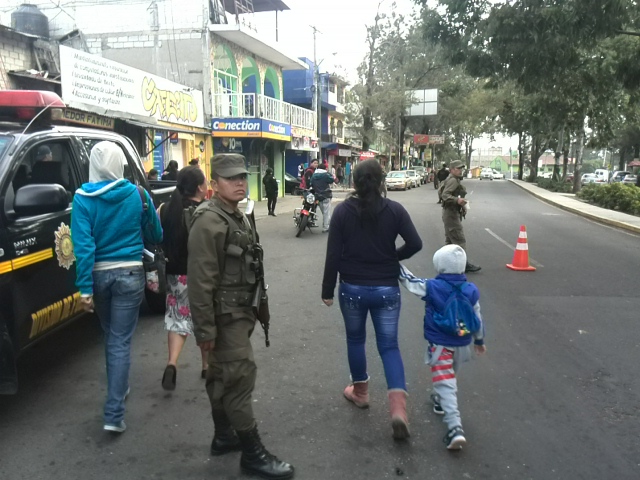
452 193
321 181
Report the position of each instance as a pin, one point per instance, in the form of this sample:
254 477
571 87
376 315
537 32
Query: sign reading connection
425 102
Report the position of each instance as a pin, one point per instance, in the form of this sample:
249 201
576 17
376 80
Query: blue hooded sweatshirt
107 222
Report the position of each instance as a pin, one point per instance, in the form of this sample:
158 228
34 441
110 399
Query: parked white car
618 176
496 175
630 179
588 178
398 180
415 178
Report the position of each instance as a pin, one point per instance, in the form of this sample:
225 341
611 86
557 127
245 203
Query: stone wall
15 54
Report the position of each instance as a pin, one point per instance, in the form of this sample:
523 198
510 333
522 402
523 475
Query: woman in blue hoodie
107 225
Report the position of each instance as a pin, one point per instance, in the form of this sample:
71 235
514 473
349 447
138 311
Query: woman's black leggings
271 202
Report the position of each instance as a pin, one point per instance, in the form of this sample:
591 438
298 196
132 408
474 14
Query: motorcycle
306 215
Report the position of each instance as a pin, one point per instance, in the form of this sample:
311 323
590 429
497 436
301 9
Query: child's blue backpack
457 317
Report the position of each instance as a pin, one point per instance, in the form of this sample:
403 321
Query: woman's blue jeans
117 295
356 301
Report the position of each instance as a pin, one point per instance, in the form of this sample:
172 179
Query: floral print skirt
177 318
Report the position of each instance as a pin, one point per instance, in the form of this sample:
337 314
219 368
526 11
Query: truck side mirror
39 199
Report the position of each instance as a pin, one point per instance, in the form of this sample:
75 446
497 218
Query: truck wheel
155 301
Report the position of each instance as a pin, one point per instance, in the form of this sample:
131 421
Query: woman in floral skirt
189 193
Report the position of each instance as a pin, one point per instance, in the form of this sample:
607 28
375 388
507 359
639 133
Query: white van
602 175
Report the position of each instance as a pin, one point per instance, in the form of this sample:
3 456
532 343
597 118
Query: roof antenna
34 118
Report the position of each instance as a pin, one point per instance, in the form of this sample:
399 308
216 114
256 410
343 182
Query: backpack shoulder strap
143 198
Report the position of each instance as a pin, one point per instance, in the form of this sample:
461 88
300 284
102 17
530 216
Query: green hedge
548 184
615 196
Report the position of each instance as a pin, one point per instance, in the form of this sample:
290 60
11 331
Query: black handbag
153 259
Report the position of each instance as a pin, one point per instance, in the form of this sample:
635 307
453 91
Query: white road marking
504 242
553 214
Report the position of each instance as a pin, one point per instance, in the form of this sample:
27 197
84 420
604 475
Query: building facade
299 89
199 45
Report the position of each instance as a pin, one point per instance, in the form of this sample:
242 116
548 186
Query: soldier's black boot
225 439
471 268
257 460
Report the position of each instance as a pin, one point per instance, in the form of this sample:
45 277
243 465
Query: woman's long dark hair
172 166
367 178
174 230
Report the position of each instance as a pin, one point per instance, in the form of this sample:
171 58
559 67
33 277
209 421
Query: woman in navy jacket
362 248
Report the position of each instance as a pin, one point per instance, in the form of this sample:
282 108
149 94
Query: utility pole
317 94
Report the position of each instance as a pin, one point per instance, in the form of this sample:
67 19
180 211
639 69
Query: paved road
556 397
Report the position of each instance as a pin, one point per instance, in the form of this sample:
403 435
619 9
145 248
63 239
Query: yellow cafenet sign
54 314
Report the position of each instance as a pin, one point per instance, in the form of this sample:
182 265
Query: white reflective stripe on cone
522 246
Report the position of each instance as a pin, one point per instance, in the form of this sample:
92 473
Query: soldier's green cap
228 165
456 164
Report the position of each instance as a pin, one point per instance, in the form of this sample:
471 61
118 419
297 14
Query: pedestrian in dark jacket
362 248
171 172
340 174
441 176
190 192
271 189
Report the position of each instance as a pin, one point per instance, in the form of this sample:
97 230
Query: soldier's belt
234 298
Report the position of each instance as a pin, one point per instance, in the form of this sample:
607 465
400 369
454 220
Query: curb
597 218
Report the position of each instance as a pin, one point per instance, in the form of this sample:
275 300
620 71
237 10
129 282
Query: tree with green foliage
556 50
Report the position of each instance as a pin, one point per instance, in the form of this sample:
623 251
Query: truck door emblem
64 246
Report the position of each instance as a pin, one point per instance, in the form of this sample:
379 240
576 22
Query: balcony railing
303 118
250 105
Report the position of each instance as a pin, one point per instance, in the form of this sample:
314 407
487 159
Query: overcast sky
342 23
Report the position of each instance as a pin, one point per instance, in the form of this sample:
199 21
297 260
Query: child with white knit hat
452 321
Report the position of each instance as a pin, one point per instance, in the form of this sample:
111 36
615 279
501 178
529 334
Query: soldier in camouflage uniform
452 193
222 281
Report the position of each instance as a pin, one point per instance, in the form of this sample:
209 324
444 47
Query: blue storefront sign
158 153
276 130
250 127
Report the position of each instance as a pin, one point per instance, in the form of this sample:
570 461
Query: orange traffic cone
521 255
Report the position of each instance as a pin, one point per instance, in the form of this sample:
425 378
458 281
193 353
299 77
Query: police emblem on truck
64 246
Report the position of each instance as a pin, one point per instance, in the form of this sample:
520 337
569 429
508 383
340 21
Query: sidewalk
569 202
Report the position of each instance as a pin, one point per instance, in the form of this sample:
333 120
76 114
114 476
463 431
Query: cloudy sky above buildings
342 23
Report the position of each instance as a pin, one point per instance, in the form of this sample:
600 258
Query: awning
31 76
167 128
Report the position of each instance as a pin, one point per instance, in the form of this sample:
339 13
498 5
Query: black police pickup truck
41 166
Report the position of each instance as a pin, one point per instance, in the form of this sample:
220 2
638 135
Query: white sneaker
119 428
455 439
